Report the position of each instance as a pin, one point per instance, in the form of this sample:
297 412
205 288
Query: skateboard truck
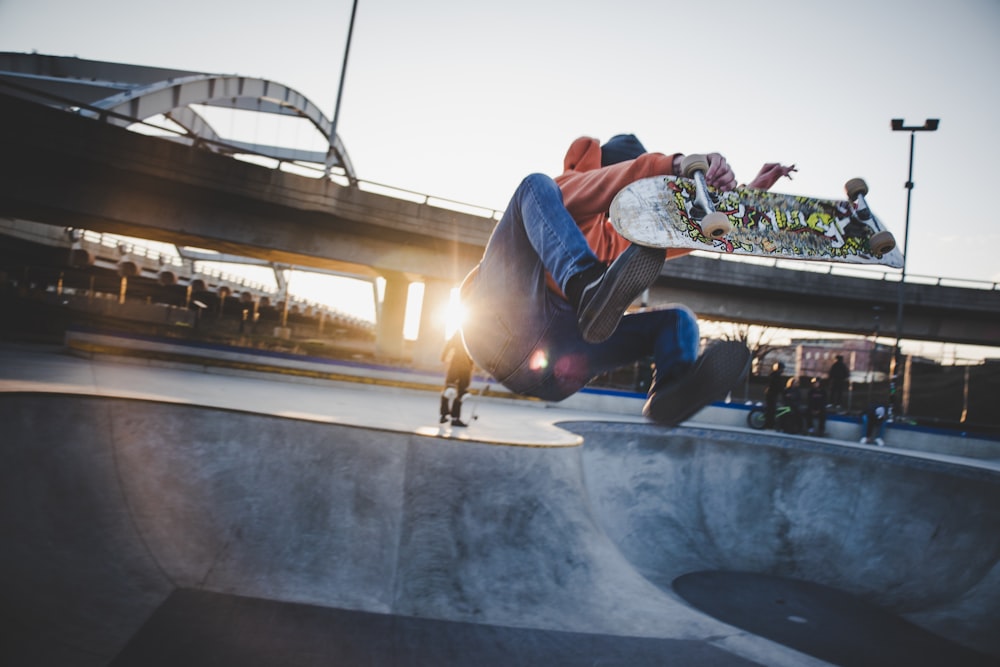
714 224
881 241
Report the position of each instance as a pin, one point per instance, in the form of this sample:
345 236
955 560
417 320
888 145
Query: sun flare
454 314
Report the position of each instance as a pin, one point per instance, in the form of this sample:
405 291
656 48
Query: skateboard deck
662 212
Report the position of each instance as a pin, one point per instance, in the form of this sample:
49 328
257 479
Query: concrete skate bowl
144 533
846 553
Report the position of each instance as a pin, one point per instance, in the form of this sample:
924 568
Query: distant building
867 361
785 355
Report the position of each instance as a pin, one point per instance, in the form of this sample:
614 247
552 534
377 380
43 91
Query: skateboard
469 398
684 212
475 401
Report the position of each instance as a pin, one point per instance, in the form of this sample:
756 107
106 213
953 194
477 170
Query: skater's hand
769 175
719 174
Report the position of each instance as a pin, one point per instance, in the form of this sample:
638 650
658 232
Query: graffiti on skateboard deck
683 212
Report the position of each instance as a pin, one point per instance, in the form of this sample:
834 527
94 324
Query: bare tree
758 339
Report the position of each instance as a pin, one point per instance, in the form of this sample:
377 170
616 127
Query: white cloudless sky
461 99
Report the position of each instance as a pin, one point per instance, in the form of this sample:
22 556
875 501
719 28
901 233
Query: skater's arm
769 174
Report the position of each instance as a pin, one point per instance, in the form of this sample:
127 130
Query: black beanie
620 148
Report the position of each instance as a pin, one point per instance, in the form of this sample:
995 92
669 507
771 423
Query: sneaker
603 302
443 419
880 442
458 422
715 372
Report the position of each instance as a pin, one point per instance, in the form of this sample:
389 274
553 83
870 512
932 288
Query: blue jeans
873 427
526 336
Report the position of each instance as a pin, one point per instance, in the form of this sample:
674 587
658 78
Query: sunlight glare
414 304
454 314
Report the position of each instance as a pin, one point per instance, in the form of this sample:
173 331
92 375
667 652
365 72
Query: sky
461 99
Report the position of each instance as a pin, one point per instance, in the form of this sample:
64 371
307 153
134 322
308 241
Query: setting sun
454 314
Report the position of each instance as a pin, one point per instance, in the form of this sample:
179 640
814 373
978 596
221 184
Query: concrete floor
157 514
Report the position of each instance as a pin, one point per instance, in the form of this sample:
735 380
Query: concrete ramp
911 536
129 527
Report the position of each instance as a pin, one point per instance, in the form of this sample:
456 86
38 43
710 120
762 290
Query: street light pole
331 155
897 124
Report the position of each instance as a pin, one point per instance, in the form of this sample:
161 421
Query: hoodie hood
584 154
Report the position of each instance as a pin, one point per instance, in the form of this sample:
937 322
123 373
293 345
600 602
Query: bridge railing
853 271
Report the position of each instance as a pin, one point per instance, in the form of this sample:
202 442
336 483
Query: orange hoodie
588 189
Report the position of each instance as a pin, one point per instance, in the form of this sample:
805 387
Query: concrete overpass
66 169
831 298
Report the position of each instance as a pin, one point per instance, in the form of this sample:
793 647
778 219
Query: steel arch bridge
124 94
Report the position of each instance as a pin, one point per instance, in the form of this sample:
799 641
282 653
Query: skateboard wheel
716 225
693 163
855 187
882 243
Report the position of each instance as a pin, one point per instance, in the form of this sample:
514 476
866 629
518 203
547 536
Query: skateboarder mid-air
546 304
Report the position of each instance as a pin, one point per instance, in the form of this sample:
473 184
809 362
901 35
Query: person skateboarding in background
546 304
456 381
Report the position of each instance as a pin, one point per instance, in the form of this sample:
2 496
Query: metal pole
930 125
340 89
906 252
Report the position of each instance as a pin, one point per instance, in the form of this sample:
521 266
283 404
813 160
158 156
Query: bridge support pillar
430 342
391 316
